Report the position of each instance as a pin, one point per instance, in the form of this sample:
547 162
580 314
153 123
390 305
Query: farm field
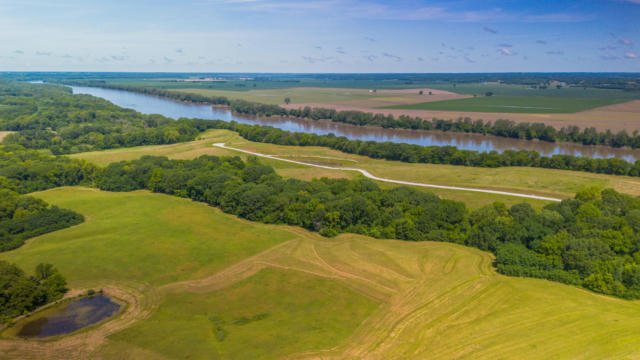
345 96
299 295
514 104
623 116
547 182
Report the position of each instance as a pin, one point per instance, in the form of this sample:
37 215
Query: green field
548 182
346 297
297 95
131 245
514 104
301 312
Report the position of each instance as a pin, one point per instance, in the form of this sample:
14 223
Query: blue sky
320 35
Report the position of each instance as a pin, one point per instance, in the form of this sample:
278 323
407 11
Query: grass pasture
158 239
342 298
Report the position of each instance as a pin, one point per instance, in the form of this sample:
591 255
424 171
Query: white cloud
630 55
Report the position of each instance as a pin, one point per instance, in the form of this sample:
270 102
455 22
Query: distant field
298 295
514 104
556 107
356 97
548 182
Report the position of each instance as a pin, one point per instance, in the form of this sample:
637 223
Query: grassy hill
212 286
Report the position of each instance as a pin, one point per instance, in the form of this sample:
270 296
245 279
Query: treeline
23 217
20 293
50 117
592 240
25 171
502 128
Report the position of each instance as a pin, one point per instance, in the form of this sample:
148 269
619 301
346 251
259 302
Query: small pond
69 317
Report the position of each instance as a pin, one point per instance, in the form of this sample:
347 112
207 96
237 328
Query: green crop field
548 182
205 285
514 104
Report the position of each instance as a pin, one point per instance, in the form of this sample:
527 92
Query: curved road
370 176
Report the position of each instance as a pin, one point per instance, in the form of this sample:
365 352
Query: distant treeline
592 240
502 128
20 293
619 81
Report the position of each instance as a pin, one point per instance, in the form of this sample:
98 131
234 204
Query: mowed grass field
514 104
298 295
547 182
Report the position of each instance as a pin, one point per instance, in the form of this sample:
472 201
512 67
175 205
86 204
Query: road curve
373 177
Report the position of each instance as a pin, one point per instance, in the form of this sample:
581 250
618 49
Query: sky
316 36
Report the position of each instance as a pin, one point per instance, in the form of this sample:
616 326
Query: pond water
148 104
69 318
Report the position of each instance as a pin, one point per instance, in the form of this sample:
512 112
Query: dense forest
20 293
592 240
51 117
502 128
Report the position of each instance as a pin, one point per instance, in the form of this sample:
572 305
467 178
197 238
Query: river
148 104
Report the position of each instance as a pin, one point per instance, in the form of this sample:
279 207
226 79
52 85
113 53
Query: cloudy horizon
320 36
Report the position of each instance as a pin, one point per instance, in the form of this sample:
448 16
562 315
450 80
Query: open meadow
213 286
546 182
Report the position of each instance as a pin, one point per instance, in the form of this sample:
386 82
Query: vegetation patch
304 313
20 294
